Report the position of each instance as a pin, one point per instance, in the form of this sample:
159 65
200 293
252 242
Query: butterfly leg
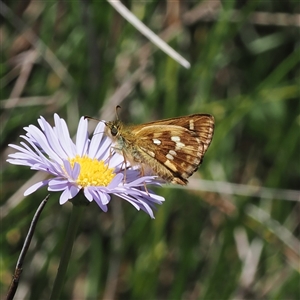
146 190
142 173
111 153
124 163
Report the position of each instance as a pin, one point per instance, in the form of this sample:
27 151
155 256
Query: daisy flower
89 165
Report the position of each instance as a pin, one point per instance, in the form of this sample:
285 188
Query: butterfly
172 148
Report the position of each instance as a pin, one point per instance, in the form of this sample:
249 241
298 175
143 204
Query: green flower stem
76 214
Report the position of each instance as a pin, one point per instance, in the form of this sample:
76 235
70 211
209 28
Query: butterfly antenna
95 119
117 107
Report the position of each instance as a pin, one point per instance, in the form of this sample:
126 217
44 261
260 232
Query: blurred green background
211 240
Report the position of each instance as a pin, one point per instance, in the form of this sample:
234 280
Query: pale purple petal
35 187
88 194
38 138
67 167
28 157
82 137
53 140
19 162
157 198
102 199
95 145
37 155
74 190
72 172
69 193
76 171
57 184
146 208
64 197
116 181
62 132
115 160
130 200
140 181
105 151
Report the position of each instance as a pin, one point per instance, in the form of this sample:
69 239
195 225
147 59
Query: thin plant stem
19 268
76 215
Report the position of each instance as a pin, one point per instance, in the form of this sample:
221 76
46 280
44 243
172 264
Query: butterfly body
171 148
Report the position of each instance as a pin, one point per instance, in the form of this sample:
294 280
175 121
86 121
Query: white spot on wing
179 146
175 139
172 152
192 125
170 165
156 141
169 156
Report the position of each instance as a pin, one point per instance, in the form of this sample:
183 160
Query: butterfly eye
114 131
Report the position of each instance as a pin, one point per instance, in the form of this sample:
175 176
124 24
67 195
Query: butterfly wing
174 148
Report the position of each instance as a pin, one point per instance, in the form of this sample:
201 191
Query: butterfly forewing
172 148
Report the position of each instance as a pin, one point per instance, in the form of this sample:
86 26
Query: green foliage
243 72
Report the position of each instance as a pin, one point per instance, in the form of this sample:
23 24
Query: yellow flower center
92 172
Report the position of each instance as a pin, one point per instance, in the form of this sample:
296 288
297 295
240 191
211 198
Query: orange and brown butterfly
172 148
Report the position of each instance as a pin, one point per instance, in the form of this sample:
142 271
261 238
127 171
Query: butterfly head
113 128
